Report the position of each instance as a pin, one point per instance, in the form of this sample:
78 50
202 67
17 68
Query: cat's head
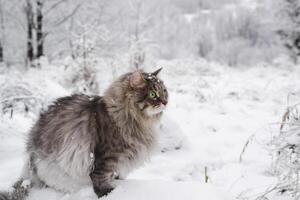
148 92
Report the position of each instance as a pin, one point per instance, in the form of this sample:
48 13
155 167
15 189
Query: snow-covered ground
140 190
213 112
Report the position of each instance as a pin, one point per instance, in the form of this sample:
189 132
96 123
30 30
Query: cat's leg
102 178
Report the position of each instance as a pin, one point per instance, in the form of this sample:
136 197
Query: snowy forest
231 130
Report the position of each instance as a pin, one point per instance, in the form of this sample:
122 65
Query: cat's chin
154 111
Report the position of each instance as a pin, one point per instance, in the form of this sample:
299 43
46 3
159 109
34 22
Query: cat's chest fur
130 142
135 153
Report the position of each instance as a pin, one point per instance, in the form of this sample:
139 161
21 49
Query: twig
206 175
245 147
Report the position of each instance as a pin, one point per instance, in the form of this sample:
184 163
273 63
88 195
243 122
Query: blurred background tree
228 31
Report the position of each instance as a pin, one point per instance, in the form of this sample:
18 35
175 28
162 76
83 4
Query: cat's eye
152 94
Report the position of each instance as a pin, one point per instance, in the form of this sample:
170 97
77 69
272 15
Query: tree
289 28
30 29
36 11
142 24
39 29
2 34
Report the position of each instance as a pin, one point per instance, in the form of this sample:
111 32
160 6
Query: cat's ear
157 71
136 80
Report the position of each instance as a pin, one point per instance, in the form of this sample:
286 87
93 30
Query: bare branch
61 21
55 5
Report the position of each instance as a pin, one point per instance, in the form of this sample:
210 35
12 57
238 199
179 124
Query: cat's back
68 118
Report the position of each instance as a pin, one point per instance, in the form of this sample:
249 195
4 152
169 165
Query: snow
141 189
213 111
168 190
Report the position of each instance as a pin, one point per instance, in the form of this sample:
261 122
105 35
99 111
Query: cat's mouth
154 110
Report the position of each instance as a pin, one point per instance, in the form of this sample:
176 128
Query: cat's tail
20 192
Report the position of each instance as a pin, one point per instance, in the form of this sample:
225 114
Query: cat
93 140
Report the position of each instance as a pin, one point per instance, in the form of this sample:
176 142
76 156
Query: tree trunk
30 27
39 31
2 32
1 53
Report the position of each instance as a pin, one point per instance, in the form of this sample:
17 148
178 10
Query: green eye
152 94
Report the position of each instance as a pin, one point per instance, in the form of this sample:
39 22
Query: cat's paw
103 191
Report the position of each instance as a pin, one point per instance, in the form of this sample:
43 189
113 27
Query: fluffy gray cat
92 140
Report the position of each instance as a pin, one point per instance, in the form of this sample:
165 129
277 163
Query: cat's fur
82 140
